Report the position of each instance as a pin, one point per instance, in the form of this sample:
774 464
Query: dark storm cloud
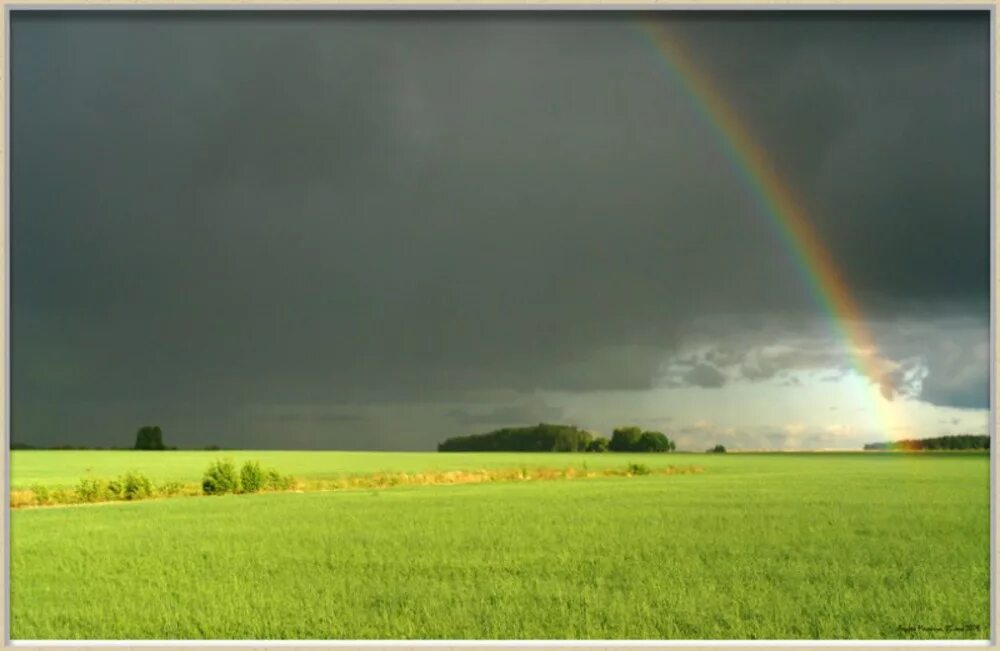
211 211
880 125
323 417
523 413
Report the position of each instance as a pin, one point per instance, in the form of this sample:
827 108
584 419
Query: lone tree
718 449
149 438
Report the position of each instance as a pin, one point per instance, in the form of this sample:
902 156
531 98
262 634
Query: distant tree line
543 437
954 442
149 437
546 437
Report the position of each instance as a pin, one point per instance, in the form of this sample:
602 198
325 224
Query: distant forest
537 438
956 442
546 437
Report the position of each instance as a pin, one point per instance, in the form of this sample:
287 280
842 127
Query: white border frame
512 5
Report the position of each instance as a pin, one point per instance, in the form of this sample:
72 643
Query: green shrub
220 478
718 449
91 490
61 496
251 477
171 488
638 469
42 495
275 481
135 486
114 489
130 486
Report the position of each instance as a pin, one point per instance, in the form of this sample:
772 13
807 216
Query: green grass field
783 546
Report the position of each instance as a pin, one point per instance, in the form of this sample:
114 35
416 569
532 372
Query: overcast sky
374 231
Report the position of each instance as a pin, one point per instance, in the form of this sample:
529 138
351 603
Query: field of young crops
804 546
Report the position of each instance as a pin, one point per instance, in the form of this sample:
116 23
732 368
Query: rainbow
820 272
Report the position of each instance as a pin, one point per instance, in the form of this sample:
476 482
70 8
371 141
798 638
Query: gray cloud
322 416
766 362
705 376
953 354
349 211
941 360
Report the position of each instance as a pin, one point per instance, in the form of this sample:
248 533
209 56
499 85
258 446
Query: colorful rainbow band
786 215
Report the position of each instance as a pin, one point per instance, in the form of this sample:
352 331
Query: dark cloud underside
215 210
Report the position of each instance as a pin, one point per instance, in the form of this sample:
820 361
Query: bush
114 489
220 478
135 486
41 494
638 469
130 486
251 477
171 488
61 496
718 449
91 490
276 482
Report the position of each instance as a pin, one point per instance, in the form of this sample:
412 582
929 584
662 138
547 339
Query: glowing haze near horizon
374 231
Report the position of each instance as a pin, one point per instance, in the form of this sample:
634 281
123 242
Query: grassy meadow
760 546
